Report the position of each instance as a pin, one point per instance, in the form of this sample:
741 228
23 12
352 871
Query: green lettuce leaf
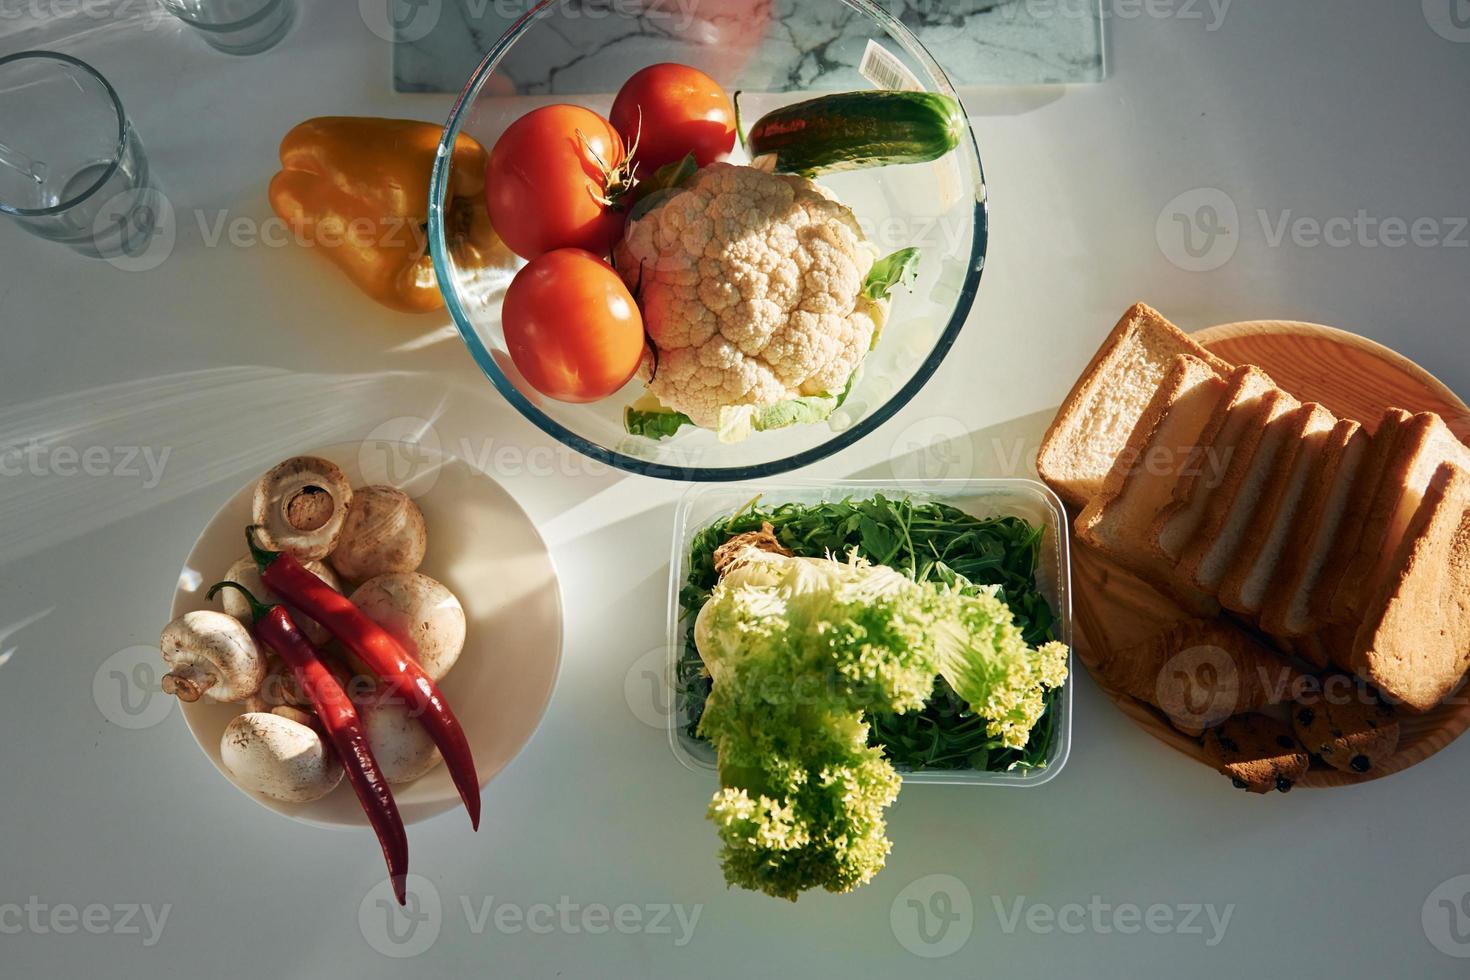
900 267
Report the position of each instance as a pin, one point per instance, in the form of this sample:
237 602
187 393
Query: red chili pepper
383 655
339 718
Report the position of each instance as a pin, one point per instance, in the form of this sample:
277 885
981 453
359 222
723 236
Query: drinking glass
72 168
236 26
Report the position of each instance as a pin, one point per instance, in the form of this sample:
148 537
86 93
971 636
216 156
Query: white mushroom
398 739
207 651
419 613
384 532
279 757
245 572
300 505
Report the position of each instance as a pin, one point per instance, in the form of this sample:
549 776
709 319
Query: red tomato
684 111
543 185
572 327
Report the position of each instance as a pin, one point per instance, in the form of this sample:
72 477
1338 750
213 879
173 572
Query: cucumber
853 130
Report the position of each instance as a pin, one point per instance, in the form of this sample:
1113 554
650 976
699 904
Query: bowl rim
438 249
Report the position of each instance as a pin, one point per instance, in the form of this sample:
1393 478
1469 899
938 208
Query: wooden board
1355 378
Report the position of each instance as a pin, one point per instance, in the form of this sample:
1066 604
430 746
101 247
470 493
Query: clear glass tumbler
72 168
236 26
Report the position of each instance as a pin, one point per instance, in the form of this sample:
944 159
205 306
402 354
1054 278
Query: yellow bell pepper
357 188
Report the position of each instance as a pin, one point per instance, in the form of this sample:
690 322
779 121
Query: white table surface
1316 108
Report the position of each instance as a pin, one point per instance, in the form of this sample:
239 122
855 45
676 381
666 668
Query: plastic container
1033 502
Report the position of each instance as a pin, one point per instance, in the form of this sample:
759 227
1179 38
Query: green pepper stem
263 557
258 609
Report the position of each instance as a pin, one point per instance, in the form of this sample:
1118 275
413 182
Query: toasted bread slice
1164 443
1365 490
1414 642
1243 589
1208 555
1099 415
1200 672
1227 436
1288 608
1425 444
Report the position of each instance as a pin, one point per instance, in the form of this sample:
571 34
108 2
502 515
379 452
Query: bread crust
1316 527
1414 643
1053 459
1366 484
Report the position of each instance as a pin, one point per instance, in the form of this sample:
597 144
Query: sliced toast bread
1288 608
1099 415
1164 443
1226 436
1414 642
1243 589
1365 490
1425 444
1208 555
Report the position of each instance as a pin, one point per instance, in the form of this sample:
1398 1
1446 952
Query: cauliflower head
751 289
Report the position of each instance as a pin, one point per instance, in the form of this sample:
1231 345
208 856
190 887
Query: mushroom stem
188 684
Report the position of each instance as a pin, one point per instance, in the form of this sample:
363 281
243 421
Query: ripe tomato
571 326
684 111
544 185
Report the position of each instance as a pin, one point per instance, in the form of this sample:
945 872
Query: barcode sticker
884 69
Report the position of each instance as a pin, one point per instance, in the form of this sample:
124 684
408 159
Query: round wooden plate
1354 378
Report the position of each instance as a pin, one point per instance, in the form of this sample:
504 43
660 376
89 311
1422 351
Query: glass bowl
773 53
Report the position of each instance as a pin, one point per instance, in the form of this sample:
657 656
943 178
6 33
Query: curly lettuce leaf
902 267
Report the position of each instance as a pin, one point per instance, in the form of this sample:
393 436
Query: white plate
487 551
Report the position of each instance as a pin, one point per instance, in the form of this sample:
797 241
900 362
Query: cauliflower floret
750 285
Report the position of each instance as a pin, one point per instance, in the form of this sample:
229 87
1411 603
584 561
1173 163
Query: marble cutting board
1017 42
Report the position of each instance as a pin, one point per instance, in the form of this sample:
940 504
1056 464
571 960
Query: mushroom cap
418 612
247 574
212 643
399 740
300 505
278 757
384 532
